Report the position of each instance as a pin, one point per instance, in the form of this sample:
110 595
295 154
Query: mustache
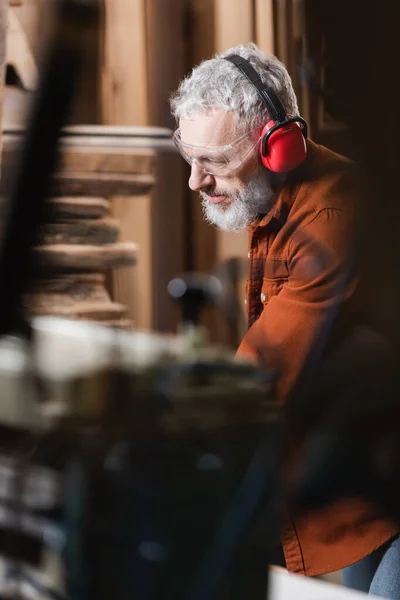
212 192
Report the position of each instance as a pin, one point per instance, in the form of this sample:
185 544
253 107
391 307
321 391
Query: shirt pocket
275 276
271 288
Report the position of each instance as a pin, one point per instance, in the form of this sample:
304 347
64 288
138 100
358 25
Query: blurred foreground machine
139 463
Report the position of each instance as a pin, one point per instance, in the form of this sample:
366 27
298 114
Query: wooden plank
264 20
124 71
108 184
77 296
116 130
119 154
165 55
234 23
60 209
86 257
93 231
43 301
83 284
19 53
86 310
122 138
202 20
108 160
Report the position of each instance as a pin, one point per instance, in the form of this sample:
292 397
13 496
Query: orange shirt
300 284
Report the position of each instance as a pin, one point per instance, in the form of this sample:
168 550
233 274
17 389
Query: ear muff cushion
286 148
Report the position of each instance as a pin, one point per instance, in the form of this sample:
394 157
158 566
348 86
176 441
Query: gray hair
216 83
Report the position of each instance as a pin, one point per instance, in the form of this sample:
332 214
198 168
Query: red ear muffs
283 145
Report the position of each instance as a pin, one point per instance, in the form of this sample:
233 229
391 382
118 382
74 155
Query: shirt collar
288 192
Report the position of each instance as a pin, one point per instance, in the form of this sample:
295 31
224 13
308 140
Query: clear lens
217 160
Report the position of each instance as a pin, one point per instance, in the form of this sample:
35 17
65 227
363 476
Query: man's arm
295 324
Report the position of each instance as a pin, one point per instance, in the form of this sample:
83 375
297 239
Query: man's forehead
215 128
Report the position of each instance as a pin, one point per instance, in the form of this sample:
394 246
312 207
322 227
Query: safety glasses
218 160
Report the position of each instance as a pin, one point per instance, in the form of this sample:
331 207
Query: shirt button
245 300
248 255
263 297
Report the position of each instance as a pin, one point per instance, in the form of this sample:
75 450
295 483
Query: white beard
244 207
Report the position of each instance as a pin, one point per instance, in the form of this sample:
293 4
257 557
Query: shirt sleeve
294 326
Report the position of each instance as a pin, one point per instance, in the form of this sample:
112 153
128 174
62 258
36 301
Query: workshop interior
140 457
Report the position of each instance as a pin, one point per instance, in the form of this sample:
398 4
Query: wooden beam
124 68
165 56
202 30
264 21
283 20
234 23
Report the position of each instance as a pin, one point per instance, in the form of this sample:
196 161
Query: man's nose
198 178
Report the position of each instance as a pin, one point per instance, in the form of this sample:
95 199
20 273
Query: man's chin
221 207
227 218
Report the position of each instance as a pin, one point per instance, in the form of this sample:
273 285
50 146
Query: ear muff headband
282 146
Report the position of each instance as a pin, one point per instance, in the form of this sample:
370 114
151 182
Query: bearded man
251 161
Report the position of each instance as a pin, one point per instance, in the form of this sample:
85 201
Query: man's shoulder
330 181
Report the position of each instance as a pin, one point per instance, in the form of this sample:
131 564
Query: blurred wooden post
3 34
